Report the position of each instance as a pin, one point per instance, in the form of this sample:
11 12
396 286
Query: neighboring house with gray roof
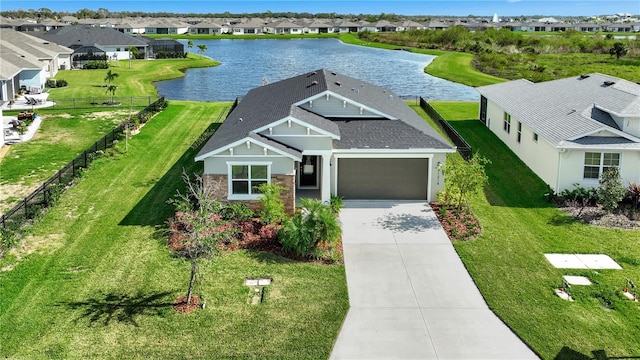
115 44
27 61
321 134
568 131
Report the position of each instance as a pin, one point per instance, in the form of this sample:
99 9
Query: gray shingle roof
563 109
382 134
267 104
75 35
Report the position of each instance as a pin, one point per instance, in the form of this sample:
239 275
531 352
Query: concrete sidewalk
411 297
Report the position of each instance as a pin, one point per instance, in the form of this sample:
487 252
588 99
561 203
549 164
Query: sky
400 7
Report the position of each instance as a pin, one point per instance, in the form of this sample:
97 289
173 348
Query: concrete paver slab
598 261
565 261
582 261
384 333
577 280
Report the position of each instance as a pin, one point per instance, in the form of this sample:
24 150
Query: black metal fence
463 147
51 189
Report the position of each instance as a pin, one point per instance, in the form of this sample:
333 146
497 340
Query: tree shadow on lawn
153 209
567 353
511 182
122 308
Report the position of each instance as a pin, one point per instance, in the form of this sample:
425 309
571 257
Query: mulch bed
181 306
255 236
459 226
597 216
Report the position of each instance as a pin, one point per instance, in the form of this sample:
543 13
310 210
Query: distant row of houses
244 26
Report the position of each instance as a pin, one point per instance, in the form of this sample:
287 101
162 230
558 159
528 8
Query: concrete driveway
411 297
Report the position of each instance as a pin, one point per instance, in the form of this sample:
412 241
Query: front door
308 172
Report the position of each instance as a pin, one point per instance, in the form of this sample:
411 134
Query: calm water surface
245 63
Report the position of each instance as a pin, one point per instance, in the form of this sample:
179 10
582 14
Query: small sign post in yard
256 290
563 292
630 291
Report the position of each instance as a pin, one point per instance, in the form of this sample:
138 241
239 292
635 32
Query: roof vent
311 74
338 83
333 73
313 83
608 83
584 76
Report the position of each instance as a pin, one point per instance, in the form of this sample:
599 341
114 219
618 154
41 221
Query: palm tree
189 44
202 48
110 77
112 89
133 54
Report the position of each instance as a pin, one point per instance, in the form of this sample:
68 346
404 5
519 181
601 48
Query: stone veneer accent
288 195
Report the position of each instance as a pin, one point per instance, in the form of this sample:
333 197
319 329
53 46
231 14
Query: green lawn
98 280
507 261
62 136
135 81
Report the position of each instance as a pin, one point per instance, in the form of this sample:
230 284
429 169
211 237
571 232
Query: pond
245 63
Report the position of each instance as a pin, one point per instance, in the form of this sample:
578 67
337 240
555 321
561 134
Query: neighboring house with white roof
318 27
252 27
568 131
321 134
207 27
166 27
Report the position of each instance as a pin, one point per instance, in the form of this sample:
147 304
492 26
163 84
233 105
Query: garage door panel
394 179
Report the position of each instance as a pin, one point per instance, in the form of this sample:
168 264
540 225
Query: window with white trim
596 163
507 123
519 131
246 178
535 137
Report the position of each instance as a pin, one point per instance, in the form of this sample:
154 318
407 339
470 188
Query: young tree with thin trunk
197 227
465 178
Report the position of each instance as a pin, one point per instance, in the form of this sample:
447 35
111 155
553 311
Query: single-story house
166 27
114 43
252 27
321 134
206 27
568 131
27 62
318 27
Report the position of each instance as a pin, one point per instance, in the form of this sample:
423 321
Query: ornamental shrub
315 224
272 205
611 192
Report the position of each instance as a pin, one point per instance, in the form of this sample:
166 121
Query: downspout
560 152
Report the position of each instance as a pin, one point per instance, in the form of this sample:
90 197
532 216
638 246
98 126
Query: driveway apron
411 297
